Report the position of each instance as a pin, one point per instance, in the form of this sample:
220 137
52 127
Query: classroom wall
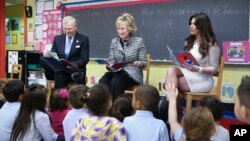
158 71
15 11
30 25
231 79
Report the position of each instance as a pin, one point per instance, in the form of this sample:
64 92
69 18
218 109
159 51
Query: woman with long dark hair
202 44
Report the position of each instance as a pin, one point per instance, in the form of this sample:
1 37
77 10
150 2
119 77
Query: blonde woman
125 48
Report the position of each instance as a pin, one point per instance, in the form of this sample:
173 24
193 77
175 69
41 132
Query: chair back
217 88
161 112
16 71
147 69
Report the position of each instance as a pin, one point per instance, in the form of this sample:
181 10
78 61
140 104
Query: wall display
14 39
52 20
12 59
236 51
22 30
7 38
13 24
6 23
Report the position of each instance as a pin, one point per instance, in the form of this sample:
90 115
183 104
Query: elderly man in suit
72 47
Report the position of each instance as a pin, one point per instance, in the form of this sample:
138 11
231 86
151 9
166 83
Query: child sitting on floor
197 124
242 104
76 100
32 122
98 126
217 108
58 109
143 126
122 107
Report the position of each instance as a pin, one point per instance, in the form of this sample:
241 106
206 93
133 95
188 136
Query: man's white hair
69 20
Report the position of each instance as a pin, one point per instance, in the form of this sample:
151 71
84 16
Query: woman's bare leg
173 75
183 84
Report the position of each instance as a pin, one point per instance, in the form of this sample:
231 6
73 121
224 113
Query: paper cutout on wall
227 92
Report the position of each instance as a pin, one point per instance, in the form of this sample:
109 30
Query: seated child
98 126
13 92
143 126
32 122
58 109
79 109
122 107
197 125
217 108
242 104
2 99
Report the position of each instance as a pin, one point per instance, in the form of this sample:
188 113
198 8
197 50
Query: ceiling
13 2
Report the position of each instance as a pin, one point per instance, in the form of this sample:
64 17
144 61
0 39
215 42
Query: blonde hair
128 19
198 124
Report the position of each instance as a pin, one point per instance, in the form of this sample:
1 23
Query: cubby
29 59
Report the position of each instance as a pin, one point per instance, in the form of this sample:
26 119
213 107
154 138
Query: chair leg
188 103
50 84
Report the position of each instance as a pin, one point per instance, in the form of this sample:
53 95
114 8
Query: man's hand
45 53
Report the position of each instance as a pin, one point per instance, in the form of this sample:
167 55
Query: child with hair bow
58 109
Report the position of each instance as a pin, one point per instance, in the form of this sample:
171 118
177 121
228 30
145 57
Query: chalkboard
163 23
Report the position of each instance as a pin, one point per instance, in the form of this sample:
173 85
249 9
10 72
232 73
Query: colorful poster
236 51
52 20
228 92
12 59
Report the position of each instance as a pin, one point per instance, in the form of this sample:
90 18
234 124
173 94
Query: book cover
66 63
70 65
53 55
236 51
102 61
182 57
116 67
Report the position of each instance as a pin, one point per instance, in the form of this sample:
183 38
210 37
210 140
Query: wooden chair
216 90
50 87
146 71
51 84
16 73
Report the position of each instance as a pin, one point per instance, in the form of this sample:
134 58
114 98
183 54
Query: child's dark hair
98 99
33 99
148 95
214 105
122 106
244 91
59 100
76 94
12 90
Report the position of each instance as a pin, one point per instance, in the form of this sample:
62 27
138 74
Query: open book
182 57
72 67
115 67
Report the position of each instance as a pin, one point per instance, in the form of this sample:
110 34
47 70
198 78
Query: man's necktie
68 46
